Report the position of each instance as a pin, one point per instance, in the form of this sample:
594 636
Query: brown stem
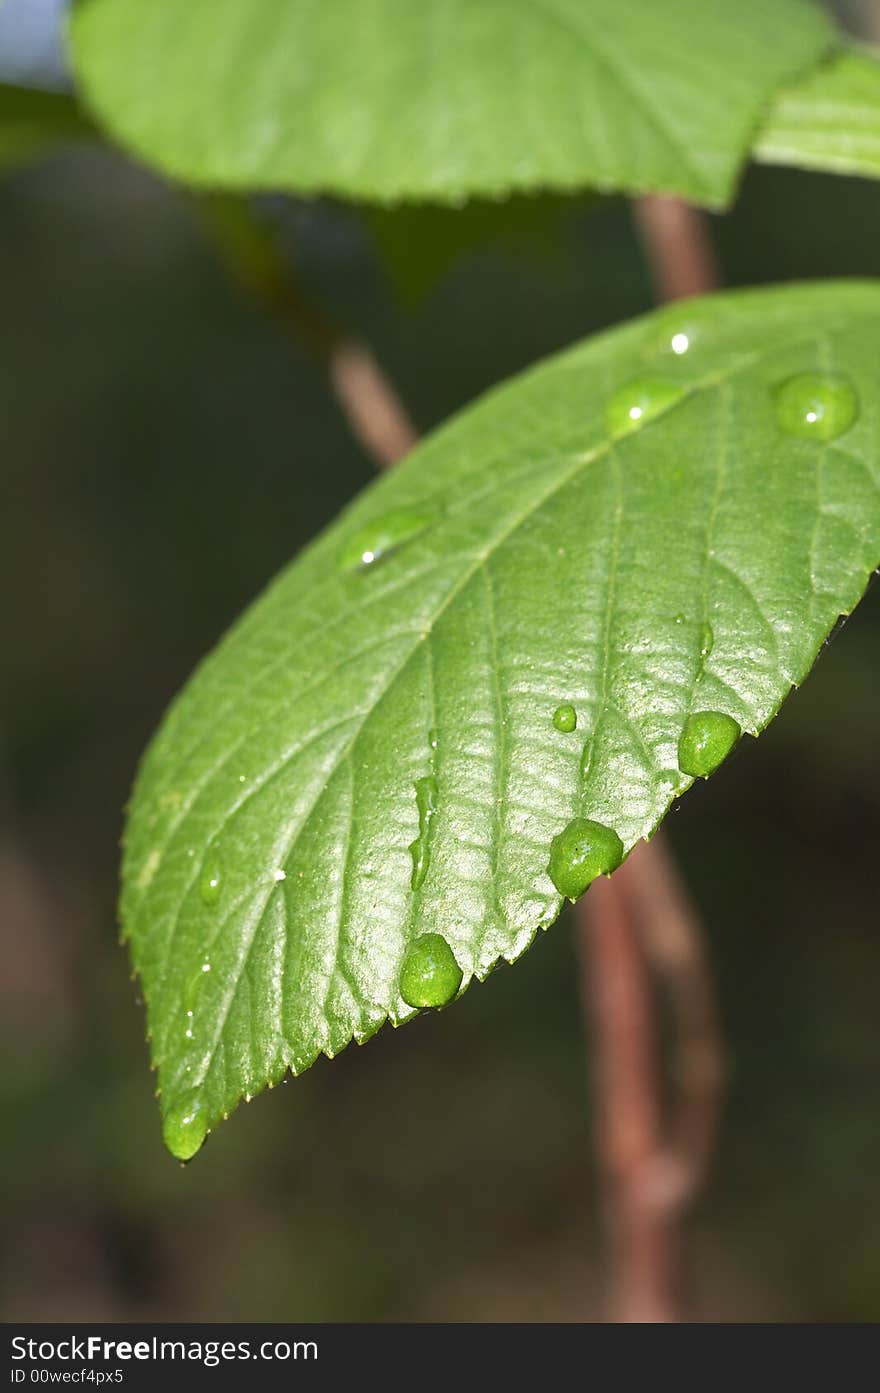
672 938
617 991
676 244
638 923
370 403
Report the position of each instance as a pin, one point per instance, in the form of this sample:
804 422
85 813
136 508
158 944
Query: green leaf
829 120
32 123
443 99
371 755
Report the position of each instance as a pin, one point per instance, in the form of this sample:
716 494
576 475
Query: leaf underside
443 99
553 565
33 123
828 120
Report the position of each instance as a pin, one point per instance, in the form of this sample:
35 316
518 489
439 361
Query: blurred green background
165 449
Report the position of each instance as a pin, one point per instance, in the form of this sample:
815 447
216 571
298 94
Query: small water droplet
430 975
279 875
707 640
582 851
679 343
586 758
211 882
640 401
679 618
376 539
184 1127
426 802
565 718
193 987
432 739
815 406
706 740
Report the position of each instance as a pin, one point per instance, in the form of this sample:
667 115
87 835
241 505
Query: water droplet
679 618
432 739
426 802
184 1127
279 875
639 401
586 758
565 718
679 343
706 740
211 882
581 851
382 536
193 987
430 975
707 640
816 407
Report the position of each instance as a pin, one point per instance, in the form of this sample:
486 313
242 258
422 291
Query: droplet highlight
184 1127
379 538
565 718
816 406
640 401
706 740
582 851
430 974
707 641
211 882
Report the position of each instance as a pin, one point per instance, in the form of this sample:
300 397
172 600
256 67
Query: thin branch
370 403
672 937
618 995
677 248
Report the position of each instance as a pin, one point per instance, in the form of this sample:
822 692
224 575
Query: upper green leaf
657 528
830 119
441 99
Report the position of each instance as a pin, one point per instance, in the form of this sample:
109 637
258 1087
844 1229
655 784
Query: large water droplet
211 881
426 802
565 718
382 536
706 740
430 975
184 1127
816 406
639 401
583 850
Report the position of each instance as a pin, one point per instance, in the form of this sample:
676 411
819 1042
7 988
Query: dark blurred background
166 448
